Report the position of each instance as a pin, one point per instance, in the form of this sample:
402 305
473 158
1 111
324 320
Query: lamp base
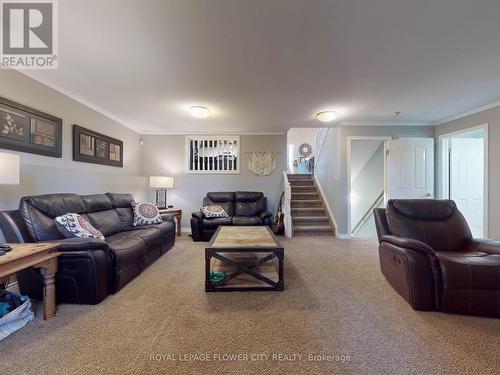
161 198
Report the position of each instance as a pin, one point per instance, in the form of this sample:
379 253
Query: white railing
287 205
368 213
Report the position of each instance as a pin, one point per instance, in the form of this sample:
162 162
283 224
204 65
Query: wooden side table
177 213
36 255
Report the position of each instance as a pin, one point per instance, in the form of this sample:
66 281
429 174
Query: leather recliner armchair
429 257
243 208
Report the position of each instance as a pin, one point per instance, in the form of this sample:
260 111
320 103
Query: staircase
309 216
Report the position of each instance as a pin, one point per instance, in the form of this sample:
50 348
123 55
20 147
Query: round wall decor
305 149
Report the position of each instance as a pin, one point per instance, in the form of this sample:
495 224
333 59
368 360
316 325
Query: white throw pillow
74 225
145 213
214 211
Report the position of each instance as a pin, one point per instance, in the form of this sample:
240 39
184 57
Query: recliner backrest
249 203
223 199
438 223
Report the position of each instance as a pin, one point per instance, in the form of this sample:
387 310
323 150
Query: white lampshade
9 169
161 182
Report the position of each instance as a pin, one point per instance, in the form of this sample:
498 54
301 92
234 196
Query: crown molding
209 133
389 124
468 113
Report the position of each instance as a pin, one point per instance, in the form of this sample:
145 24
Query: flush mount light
326 116
199 111
396 114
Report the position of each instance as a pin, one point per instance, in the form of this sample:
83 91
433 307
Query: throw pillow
74 225
214 211
145 213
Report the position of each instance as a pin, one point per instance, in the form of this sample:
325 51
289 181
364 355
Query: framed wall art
29 130
92 147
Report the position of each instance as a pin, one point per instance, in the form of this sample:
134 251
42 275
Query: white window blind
212 154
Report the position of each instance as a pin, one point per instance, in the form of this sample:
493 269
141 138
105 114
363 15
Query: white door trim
445 172
349 148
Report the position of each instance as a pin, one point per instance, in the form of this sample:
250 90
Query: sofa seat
213 223
247 220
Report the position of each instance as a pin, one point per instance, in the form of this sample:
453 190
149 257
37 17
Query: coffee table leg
280 254
48 271
208 256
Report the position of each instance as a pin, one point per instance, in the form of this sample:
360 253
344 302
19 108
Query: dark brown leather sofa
243 208
89 269
428 255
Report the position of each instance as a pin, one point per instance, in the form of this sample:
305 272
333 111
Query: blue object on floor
3 308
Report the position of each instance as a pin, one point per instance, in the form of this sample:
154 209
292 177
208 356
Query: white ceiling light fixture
326 116
199 111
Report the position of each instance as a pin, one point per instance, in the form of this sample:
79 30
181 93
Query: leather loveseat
243 208
89 269
428 255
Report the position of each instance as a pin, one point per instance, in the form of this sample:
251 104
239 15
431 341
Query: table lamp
161 184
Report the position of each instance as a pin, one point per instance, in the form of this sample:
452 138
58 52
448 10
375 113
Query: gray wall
492 118
164 155
335 183
42 174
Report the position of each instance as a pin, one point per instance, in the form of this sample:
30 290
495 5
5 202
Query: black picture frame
96 148
26 129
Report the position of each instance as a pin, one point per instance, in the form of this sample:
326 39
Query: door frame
444 168
349 152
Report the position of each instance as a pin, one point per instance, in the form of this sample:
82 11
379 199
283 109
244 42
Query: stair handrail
287 205
368 212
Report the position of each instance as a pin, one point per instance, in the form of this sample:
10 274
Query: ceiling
262 66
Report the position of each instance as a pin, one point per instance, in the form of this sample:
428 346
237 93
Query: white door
410 168
467 180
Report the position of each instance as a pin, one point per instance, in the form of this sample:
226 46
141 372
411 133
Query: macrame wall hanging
262 163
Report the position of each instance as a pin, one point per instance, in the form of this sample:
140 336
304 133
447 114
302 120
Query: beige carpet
336 303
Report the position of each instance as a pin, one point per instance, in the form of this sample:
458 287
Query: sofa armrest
265 214
167 217
484 245
408 243
197 215
79 244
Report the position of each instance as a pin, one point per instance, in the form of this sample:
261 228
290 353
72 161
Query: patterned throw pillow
145 213
74 225
214 211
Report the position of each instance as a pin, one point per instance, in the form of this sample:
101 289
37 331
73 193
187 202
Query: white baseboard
342 236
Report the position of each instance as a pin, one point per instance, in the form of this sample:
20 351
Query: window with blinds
212 154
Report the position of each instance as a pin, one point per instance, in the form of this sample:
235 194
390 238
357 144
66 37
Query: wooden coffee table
251 257
36 255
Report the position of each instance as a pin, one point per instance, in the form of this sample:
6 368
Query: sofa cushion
145 213
215 222
96 202
167 228
120 200
126 216
74 225
151 236
39 212
247 220
108 221
249 203
439 224
126 248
